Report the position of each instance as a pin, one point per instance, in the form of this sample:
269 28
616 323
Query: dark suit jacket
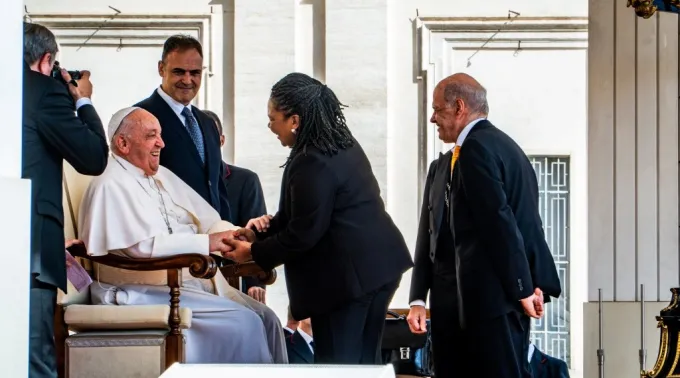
332 232
298 349
181 156
51 133
246 200
544 366
500 246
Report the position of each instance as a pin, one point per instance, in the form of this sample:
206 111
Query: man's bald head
138 140
457 100
464 87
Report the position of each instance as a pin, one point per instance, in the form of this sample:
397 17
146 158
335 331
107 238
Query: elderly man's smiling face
138 140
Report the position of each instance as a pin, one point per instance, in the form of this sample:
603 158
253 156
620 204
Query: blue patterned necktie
194 132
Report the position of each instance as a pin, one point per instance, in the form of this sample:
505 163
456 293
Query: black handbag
409 353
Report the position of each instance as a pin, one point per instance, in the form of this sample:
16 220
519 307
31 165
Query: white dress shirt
308 339
459 142
174 105
82 102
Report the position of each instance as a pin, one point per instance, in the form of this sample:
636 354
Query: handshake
226 241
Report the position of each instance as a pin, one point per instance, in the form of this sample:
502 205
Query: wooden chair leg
60 335
174 342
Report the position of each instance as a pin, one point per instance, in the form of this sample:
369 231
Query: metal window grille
551 333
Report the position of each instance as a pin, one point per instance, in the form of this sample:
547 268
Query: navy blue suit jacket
246 200
181 156
544 366
298 349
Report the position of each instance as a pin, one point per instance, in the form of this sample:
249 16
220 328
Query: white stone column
264 52
356 70
14 203
632 180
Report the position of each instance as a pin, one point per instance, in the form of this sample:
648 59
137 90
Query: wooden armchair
135 340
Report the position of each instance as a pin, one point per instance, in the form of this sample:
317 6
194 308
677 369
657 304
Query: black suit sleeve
252 200
225 206
312 196
484 188
421 280
80 140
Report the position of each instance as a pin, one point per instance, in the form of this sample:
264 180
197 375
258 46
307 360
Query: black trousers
42 354
352 334
484 348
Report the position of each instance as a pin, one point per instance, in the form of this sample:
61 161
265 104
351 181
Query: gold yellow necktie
456 152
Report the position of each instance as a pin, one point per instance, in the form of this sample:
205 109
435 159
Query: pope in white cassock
140 209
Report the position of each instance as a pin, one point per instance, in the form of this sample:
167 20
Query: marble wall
632 180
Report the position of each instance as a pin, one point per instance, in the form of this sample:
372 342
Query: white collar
133 169
305 336
532 348
289 329
174 105
466 131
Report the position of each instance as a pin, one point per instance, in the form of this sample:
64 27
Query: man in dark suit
300 344
51 133
481 251
192 149
246 201
299 340
544 366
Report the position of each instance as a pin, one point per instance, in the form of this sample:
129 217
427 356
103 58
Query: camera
56 73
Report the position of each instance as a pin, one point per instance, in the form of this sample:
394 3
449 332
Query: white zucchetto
117 119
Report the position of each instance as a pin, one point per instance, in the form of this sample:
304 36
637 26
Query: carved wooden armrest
248 269
200 266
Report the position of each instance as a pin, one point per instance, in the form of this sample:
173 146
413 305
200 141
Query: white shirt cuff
83 101
417 302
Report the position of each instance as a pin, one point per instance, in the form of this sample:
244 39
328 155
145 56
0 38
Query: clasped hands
233 245
532 305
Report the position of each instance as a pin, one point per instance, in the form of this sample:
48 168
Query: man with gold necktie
481 251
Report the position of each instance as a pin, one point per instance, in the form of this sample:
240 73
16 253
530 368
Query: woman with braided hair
343 256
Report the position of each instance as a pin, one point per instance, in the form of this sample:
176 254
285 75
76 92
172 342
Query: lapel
301 347
456 179
439 187
170 123
537 363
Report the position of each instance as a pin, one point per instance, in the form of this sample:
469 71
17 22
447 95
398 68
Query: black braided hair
322 123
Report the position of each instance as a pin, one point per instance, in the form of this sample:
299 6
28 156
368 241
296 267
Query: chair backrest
74 186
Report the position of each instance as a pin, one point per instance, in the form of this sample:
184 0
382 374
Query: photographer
52 133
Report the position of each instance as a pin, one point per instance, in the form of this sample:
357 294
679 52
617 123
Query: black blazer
246 200
298 349
181 156
51 132
544 366
498 235
332 232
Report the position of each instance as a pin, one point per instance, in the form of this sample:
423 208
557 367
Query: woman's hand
241 250
260 223
245 234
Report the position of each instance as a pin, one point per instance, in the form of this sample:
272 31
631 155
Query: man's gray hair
473 96
38 41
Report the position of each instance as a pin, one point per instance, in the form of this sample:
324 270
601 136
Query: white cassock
125 212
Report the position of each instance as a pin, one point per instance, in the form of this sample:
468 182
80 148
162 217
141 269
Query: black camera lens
56 73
